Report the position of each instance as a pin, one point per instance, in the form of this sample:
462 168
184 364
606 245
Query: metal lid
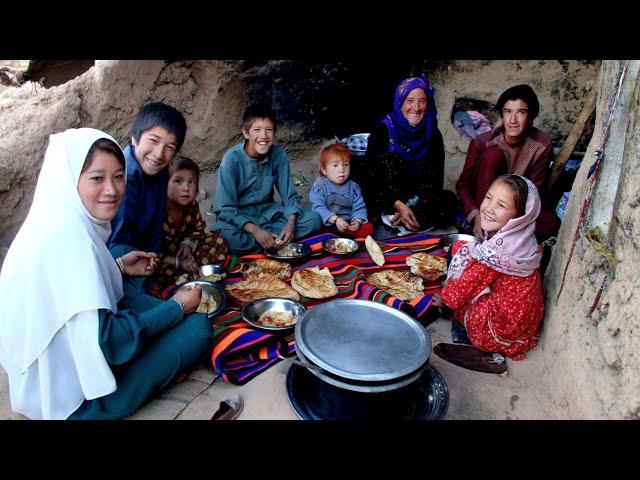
362 340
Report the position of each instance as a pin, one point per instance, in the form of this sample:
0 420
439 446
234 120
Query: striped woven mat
241 351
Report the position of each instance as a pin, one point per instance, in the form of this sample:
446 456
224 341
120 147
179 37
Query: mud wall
313 102
589 350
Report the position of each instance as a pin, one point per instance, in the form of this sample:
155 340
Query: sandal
229 409
471 358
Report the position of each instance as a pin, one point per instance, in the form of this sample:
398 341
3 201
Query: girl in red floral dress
187 246
494 287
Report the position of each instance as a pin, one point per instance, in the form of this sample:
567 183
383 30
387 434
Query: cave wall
589 350
314 102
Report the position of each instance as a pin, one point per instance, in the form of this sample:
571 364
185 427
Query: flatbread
261 285
314 283
402 285
281 270
375 252
427 266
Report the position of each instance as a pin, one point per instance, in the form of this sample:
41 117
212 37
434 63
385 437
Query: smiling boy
157 134
247 214
515 147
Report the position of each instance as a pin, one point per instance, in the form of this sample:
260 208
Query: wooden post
573 137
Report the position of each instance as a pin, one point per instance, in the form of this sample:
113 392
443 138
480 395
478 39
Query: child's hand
477 229
287 234
342 225
355 224
267 240
186 260
138 263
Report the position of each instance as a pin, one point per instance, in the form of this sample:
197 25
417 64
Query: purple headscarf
512 250
408 141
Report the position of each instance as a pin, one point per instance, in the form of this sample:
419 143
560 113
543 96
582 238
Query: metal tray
360 386
362 340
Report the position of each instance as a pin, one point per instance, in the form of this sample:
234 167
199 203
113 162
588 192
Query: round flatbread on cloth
314 283
281 270
262 285
402 285
429 267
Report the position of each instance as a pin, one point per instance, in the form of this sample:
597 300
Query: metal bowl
301 250
447 240
215 290
213 269
329 245
252 311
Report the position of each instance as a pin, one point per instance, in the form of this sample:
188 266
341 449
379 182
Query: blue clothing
146 344
244 193
344 200
141 214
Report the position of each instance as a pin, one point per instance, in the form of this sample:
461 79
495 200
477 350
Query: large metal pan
362 340
359 386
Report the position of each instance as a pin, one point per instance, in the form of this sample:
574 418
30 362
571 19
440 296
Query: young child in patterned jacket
187 246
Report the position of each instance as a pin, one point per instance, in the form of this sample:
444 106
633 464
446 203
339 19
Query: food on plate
261 285
264 265
375 252
287 252
208 304
402 285
314 283
340 246
184 278
214 277
429 267
274 318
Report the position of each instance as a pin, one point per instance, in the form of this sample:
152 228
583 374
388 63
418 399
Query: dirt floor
472 395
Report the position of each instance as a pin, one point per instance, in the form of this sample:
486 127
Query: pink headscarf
513 250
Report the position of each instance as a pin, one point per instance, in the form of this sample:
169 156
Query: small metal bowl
301 250
213 269
447 240
251 312
329 245
215 290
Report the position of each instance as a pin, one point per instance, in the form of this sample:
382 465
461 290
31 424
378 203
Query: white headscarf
57 274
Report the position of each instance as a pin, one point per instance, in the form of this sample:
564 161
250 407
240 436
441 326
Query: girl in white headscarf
494 287
75 340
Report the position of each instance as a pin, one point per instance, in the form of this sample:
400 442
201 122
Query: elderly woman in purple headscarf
405 162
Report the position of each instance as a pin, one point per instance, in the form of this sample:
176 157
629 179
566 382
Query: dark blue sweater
142 212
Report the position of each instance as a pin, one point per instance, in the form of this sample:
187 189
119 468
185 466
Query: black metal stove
427 398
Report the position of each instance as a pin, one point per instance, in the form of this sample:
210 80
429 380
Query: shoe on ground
229 409
471 358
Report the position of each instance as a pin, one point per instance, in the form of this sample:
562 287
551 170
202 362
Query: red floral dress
210 247
505 320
